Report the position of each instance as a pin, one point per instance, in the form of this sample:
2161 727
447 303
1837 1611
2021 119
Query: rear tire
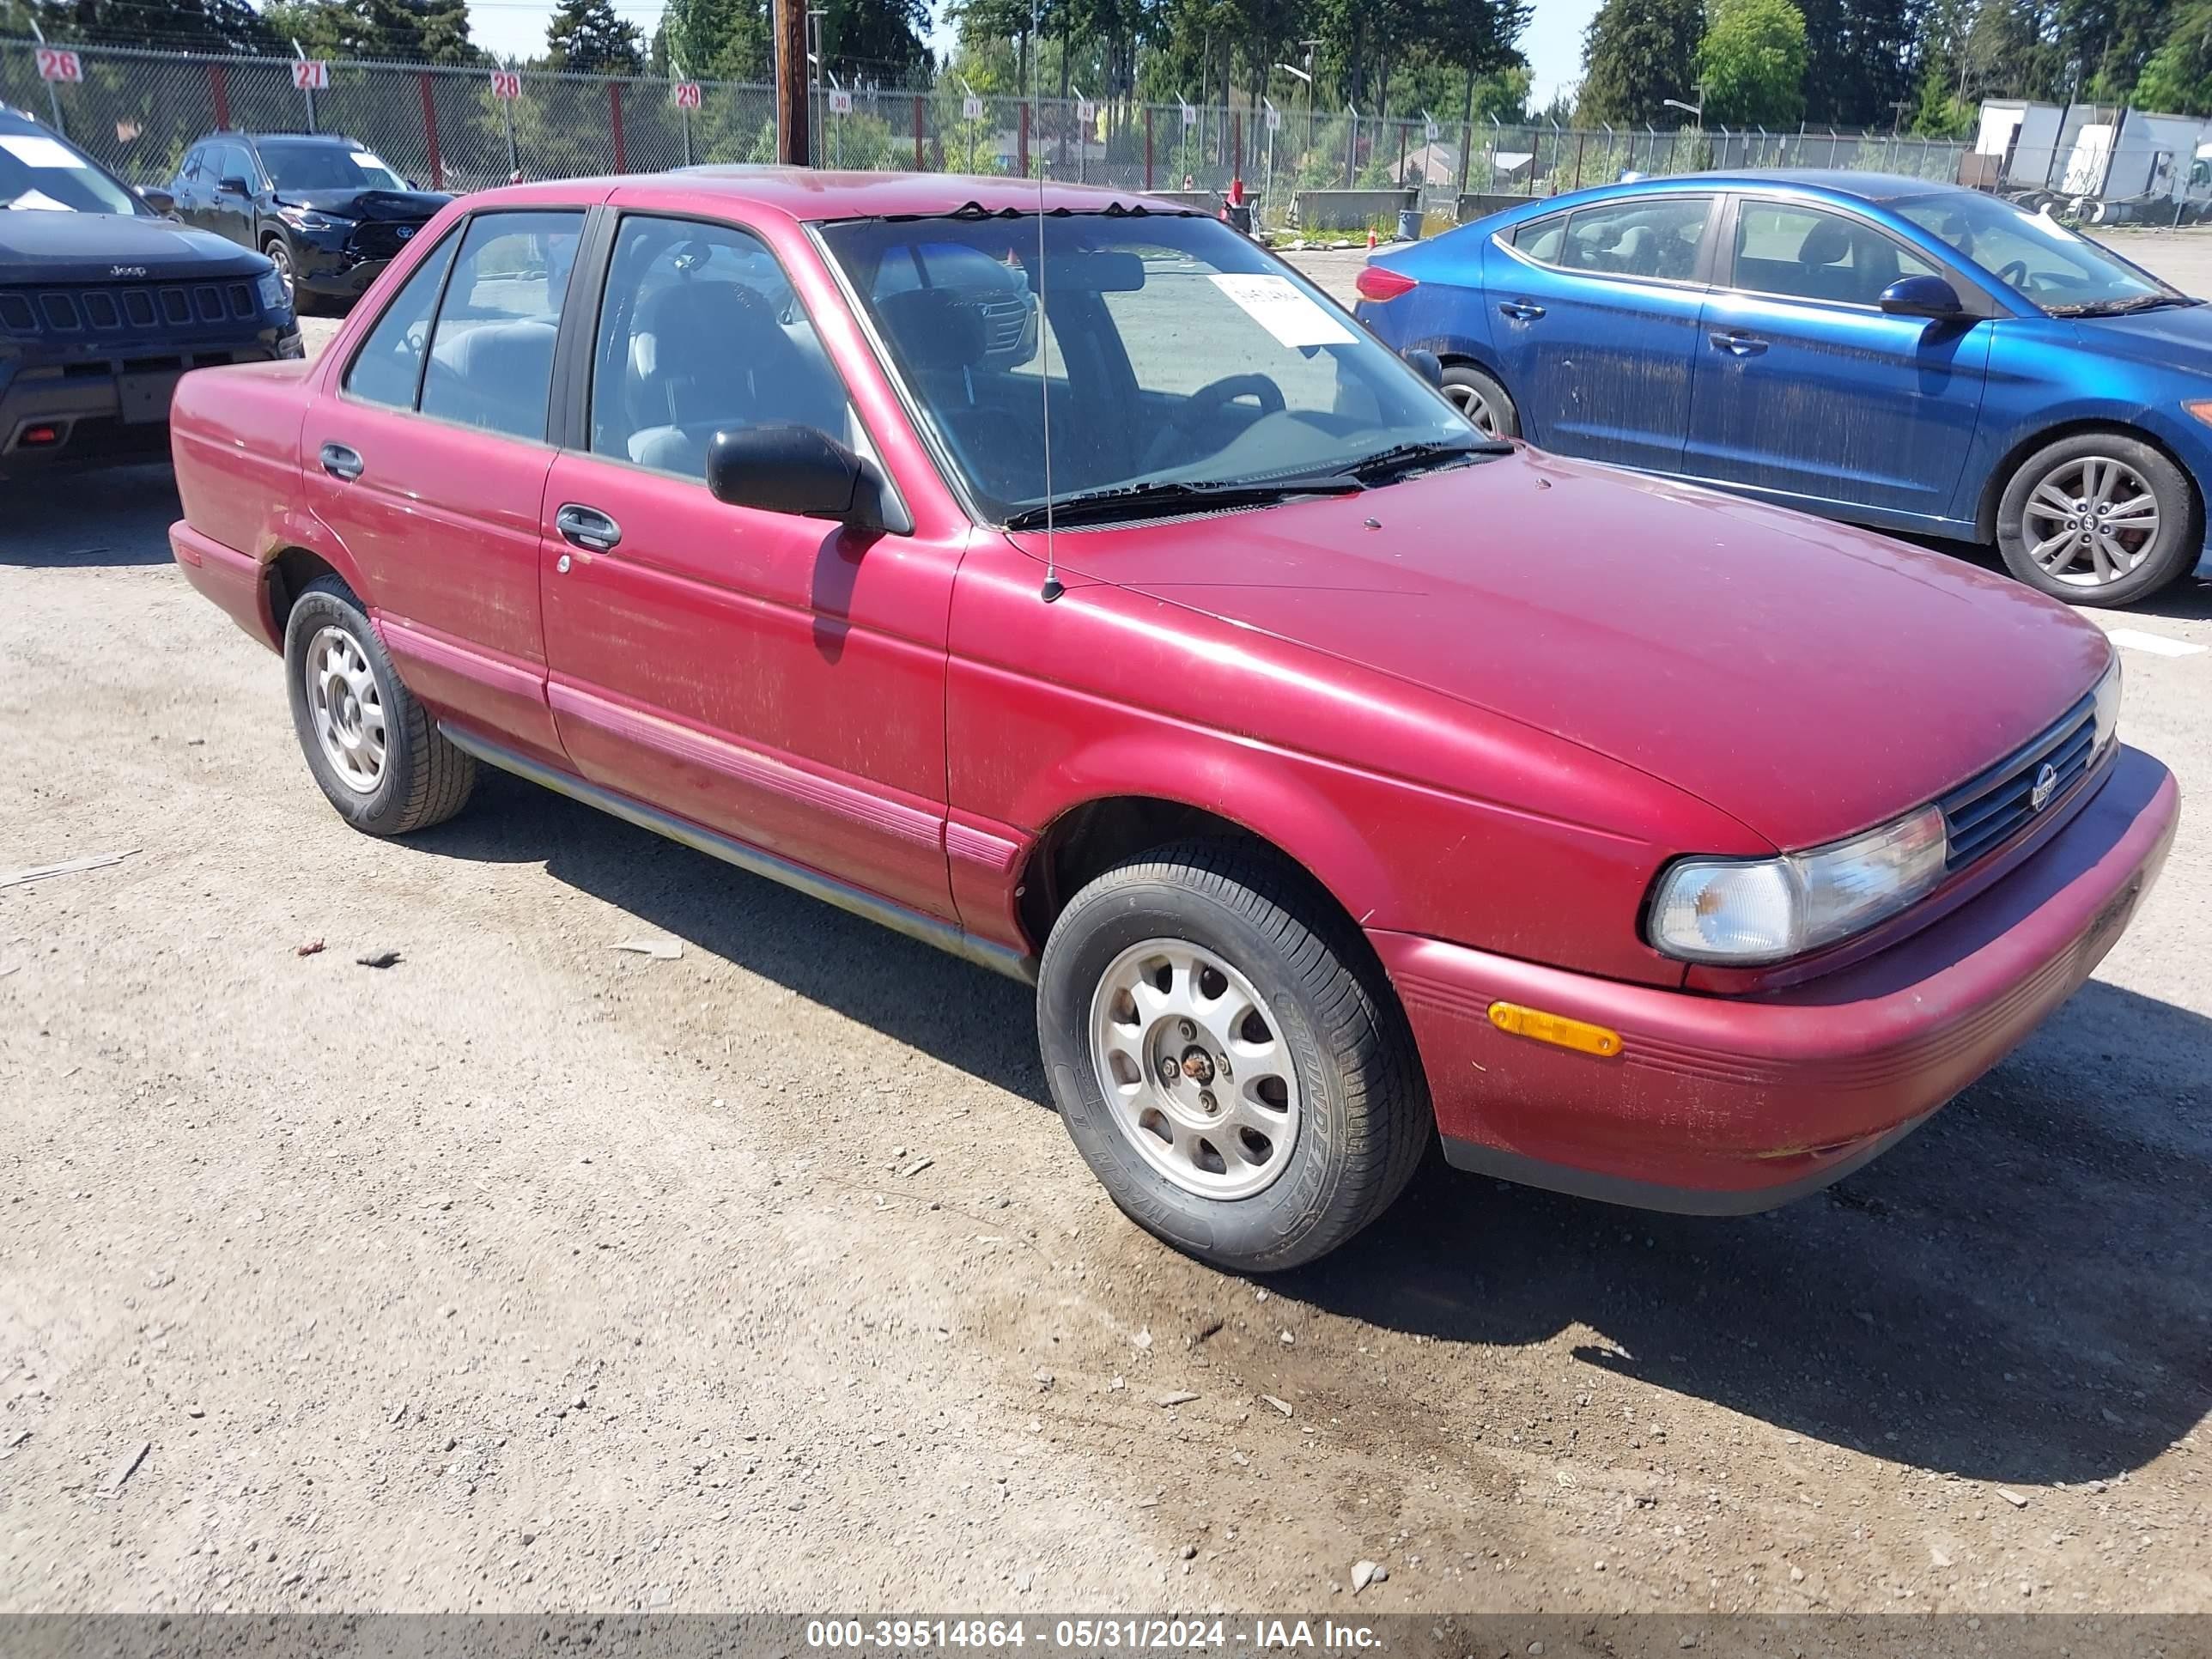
1293 1110
1482 400
2150 533
374 751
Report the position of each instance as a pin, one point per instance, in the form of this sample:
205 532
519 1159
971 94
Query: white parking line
2156 644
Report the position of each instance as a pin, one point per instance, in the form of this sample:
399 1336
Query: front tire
2099 519
279 254
1227 1057
374 751
1482 400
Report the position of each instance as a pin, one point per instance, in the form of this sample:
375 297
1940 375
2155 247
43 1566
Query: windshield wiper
1153 500
1404 457
2122 307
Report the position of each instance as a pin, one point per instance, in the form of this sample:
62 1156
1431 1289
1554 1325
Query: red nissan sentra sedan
1339 775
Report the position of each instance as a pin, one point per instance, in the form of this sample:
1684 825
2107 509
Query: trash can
1409 224
1239 215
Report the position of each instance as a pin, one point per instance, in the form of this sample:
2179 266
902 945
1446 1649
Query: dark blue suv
104 304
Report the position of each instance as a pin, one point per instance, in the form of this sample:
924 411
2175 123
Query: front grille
1985 813
1003 321
87 314
381 239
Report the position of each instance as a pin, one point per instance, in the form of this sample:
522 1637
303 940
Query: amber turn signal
1557 1029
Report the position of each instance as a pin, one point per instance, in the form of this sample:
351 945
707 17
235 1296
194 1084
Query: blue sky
1553 43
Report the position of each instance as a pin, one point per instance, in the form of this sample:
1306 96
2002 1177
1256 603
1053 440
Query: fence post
614 106
219 89
1148 147
1023 142
1582 137
917 132
430 129
1236 131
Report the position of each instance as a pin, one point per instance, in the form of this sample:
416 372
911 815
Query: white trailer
2109 165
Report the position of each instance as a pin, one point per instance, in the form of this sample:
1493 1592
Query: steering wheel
2014 275
1207 401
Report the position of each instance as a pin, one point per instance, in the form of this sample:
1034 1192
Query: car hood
102 247
1806 678
2177 335
400 206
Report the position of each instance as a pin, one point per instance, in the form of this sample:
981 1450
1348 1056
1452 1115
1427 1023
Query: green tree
880 41
1637 54
1752 62
589 37
1859 60
2177 77
720 39
187 25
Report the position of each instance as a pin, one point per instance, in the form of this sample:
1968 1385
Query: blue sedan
1910 355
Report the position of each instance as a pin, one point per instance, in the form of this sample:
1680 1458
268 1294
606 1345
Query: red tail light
1379 282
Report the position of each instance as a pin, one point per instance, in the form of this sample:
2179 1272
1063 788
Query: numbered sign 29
841 103
311 74
686 95
55 64
971 108
505 83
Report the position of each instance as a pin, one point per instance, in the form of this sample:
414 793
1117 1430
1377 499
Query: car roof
1877 188
249 136
815 196
15 120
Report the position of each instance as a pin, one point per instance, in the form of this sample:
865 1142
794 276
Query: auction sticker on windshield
368 161
1278 305
35 150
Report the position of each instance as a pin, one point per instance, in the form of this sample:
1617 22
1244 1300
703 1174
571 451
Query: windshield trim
924 429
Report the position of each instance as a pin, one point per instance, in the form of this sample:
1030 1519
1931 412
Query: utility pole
791 145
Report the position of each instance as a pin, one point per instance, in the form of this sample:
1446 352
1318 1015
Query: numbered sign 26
311 74
55 64
505 83
686 95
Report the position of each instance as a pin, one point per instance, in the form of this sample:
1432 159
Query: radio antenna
1052 589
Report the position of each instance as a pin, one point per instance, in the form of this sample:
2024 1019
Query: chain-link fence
450 128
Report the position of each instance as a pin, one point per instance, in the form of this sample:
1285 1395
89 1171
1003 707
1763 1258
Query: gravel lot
528 1272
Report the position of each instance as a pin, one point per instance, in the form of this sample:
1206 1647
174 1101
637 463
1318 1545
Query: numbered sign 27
311 74
686 95
55 64
505 83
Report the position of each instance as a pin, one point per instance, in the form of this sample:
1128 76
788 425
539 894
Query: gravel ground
529 1274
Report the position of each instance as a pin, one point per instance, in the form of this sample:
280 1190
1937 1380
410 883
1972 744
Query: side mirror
234 186
1426 364
803 471
157 199
1920 297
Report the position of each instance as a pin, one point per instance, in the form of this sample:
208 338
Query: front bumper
1719 1105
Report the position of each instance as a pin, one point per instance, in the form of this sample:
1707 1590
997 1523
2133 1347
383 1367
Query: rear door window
491 351
1639 237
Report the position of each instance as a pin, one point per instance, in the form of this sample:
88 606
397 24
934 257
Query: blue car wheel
2099 519
1482 400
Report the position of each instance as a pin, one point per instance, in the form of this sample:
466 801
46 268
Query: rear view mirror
1920 297
1426 364
1105 272
802 471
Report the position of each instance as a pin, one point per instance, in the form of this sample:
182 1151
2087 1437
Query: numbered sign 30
686 95
841 103
311 74
505 83
971 108
1274 120
55 64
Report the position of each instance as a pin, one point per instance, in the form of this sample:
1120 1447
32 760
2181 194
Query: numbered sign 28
686 95
311 74
971 108
841 103
505 83
55 64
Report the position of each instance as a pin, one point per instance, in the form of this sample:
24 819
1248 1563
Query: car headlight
269 290
1748 911
308 219
2108 705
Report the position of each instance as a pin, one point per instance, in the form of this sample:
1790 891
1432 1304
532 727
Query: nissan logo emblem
2046 785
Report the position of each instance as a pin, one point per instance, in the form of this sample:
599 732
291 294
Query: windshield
1177 353
40 172
326 166
2037 258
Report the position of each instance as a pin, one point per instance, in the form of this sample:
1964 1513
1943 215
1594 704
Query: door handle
587 527
1520 310
1737 344
342 462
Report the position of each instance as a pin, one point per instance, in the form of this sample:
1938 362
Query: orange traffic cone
1371 239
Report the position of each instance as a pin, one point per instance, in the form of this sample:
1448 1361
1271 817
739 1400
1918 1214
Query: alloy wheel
281 257
347 709
1476 407
2090 520
1193 1064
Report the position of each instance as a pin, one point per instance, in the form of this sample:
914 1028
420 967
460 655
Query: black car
327 210
104 304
